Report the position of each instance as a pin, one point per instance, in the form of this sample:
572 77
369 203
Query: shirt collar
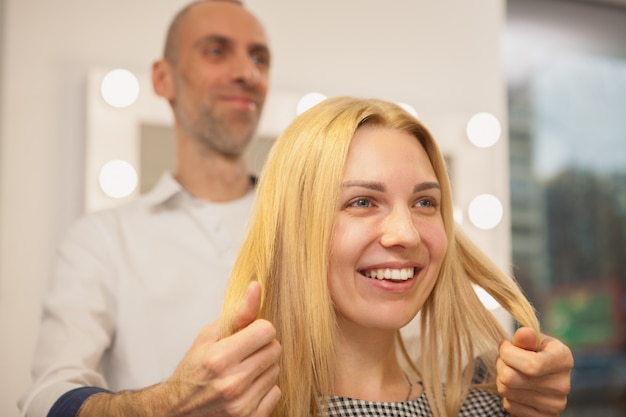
168 188
165 189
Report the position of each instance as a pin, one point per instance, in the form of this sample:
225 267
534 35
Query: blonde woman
352 236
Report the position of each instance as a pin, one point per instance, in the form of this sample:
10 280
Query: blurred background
566 82
551 75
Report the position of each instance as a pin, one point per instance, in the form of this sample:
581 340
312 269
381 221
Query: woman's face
389 239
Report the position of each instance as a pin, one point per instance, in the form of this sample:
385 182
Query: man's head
214 73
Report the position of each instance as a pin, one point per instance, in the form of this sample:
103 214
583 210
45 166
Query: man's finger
269 402
247 312
516 409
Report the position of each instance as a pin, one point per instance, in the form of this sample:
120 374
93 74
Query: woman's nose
399 229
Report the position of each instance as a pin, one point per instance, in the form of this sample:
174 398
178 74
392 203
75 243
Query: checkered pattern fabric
479 403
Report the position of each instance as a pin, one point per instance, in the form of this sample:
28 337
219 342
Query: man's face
220 76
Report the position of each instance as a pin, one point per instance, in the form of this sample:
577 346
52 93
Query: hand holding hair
233 376
534 373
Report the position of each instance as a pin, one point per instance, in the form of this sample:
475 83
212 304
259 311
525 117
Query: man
133 285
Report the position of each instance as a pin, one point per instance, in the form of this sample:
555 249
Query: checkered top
479 403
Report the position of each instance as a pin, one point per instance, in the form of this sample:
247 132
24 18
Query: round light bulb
120 88
118 178
309 100
485 211
483 130
409 109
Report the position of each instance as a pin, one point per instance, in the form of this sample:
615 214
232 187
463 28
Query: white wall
442 57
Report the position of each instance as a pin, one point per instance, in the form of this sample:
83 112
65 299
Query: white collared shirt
131 289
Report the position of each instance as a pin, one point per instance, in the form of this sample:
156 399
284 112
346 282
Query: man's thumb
247 312
525 338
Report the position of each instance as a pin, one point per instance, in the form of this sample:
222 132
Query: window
566 69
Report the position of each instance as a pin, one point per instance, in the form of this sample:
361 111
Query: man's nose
246 71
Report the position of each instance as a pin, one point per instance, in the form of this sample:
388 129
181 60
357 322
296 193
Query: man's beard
227 135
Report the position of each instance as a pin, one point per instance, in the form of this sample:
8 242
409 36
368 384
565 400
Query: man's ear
163 79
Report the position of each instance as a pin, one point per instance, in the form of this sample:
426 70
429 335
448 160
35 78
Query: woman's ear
163 79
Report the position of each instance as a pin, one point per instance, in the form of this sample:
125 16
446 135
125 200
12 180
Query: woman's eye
426 202
361 202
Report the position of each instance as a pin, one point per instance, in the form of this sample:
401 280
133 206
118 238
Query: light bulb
485 211
483 130
309 100
118 178
120 88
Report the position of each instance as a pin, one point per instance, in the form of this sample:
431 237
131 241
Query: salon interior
526 97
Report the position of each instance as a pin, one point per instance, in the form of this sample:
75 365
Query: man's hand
534 382
234 376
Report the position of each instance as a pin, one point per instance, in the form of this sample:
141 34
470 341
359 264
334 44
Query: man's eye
214 51
260 59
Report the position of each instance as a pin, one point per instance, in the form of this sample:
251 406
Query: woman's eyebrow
379 186
372 185
426 186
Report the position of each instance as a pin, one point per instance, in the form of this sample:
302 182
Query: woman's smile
389 240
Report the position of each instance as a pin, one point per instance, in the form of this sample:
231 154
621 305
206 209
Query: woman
352 236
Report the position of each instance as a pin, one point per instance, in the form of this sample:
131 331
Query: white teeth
393 274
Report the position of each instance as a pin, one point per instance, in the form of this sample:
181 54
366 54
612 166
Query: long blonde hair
287 252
